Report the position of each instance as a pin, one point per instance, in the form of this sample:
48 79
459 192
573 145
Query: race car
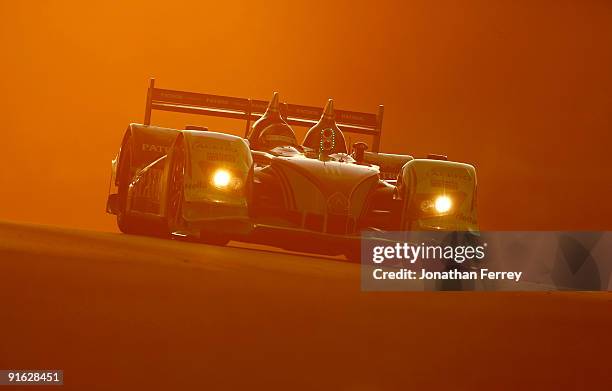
316 196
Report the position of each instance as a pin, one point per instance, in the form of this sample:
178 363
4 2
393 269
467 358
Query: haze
522 90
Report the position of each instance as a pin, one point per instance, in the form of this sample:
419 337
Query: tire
214 239
353 254
129 224
176 190
126 224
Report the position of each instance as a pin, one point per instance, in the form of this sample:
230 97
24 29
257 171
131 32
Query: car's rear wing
251 109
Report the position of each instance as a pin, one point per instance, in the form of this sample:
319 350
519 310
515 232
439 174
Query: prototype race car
317 196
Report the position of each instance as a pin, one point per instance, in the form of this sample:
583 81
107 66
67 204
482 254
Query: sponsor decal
170 96
444 184
448 173
216 145
466 218
306 112
197 185
217 101
220 157
217 151
281 138
155 148
353 117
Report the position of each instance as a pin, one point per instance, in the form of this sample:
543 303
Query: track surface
121 312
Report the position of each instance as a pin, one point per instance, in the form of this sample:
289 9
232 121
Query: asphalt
125 312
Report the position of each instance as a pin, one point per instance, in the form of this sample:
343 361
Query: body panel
422 180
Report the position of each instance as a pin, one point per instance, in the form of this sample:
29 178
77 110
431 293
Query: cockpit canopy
326 138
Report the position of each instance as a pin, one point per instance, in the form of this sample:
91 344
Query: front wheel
127 224
353 254
176 189
214 239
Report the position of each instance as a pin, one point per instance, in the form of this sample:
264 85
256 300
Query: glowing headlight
221 178
443 204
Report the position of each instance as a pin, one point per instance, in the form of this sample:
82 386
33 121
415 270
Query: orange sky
523 91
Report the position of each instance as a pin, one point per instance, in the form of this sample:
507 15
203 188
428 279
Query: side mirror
196 127
435 156
359 149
